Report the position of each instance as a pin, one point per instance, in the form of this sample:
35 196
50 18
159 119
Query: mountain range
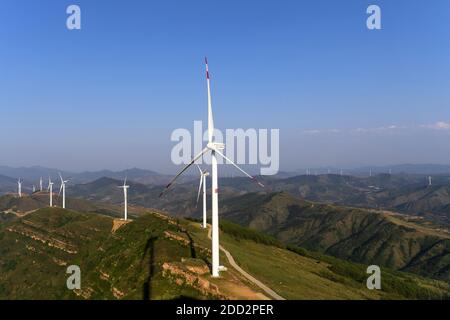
31 175
155 256
362 235
401 193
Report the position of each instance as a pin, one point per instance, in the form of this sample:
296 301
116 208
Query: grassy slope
128 263
360 235
299 274
31 269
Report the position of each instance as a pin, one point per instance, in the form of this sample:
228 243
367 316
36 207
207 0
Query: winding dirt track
248 276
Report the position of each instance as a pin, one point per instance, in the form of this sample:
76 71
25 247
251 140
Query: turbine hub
215 145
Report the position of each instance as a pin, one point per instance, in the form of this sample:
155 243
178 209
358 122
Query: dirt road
248 276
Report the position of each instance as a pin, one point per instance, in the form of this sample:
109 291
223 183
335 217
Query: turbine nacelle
215 146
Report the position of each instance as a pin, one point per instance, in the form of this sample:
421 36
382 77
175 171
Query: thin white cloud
318 131
440 125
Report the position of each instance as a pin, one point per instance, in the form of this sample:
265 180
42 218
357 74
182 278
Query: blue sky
109 95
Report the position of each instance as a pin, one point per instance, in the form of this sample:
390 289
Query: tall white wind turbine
19 187
203 175
63 189
215 149
50 189
125 193
40 184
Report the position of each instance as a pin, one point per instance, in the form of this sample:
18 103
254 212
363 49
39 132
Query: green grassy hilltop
159 257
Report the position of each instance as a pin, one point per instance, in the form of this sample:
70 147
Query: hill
366 236
179 201
408 194
402 193
158 257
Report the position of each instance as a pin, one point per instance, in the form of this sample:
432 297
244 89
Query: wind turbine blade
184 169
237 167
199 189
210 114
199 169
60 189
125 182
60 176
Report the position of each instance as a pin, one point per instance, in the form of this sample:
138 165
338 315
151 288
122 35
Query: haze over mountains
33 173
402 192
397 221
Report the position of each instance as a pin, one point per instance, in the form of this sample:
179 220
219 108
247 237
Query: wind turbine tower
215 149
19 187
125 194
203 175
429 181
50 189
40 184
63 189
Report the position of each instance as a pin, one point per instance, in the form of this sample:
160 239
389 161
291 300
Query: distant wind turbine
34 189
125 193
40 184
63 189
203 175
429 181
19 187
50 189
215 149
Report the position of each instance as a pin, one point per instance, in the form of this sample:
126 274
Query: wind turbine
63 189
203 175
429 181
50 189
125 191
19 187
215 149
34 189
40 184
